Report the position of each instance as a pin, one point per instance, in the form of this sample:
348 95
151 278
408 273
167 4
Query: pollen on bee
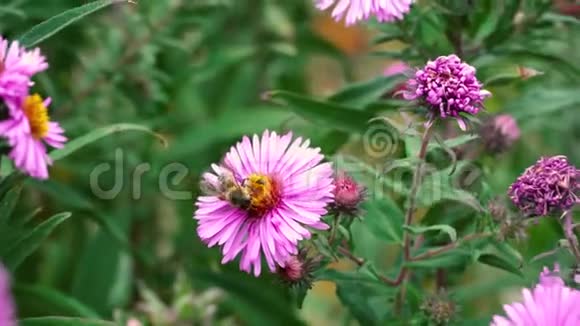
264 193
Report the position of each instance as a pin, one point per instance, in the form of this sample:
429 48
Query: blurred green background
195 71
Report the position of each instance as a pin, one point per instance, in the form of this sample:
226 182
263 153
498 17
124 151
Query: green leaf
7 204
442 185
331 115
540 102
104 272
255 300
360 95
367 297
384 219
455 142
53 25
226 127
30 242
63 321
46 301
440 227
97 134
500 263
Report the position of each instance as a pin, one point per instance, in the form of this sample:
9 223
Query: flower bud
440 309
513 228
348 194
298 270
134 322
499 133
497 209
293 271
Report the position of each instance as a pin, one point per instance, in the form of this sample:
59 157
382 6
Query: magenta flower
355 10
27 130
263 198
549 186
448 87
7 311
550 303
17 66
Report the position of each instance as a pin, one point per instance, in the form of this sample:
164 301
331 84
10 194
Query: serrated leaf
30 242
53 25
440 228
63 321
499 262
332 115
97 134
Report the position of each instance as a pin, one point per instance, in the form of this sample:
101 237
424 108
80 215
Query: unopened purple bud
298 269
348 194
499 133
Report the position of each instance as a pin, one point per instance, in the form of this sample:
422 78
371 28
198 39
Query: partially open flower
550 186
298 270
449 88
348 194
499 133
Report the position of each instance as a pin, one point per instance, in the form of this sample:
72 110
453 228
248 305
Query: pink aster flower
27 130
355 10
448 87
7 311
263 199
17 66
550 303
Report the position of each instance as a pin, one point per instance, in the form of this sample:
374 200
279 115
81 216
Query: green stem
441 250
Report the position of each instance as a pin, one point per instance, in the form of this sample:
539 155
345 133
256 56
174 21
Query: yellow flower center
264 193
37 115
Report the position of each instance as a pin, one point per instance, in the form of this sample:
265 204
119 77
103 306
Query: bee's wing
208 188
227 180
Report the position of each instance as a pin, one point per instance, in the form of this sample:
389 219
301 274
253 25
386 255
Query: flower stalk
568 227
